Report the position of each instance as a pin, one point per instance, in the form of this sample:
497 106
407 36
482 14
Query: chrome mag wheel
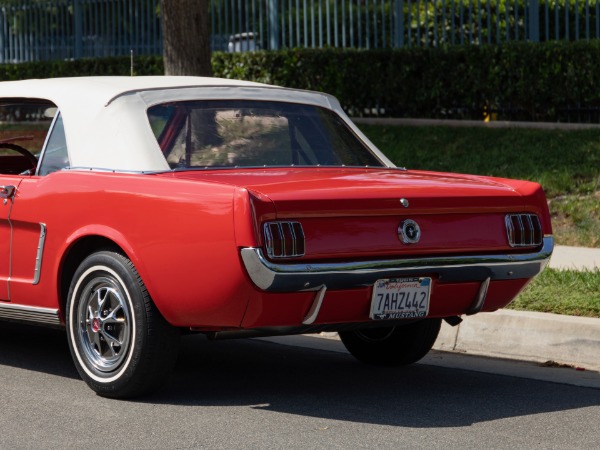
105 324
121 345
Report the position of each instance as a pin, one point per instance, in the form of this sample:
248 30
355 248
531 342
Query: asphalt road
263 394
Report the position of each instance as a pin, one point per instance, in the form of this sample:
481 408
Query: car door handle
7 191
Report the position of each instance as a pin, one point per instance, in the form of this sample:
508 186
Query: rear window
235 133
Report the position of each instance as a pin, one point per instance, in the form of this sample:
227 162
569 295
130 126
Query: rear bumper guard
277 277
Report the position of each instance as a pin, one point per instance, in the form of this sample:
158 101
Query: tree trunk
186 37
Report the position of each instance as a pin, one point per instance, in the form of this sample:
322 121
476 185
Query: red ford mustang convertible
137 208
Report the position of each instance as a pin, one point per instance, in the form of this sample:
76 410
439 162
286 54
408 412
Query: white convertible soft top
105 119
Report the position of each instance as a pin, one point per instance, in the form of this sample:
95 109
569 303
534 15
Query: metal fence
398 23
33 30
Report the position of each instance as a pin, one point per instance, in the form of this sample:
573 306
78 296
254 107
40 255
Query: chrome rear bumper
274 277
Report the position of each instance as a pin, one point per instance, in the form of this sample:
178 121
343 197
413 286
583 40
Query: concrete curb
529 336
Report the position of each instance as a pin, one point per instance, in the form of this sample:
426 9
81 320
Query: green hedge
543 82
146 65
525 81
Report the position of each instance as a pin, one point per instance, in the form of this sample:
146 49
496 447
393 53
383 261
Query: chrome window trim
278 277
46 140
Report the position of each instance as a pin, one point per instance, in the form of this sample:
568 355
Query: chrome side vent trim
37 272
284 239
523 230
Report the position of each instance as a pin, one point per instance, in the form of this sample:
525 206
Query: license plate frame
400 298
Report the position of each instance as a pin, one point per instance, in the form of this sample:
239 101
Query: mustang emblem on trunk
409 231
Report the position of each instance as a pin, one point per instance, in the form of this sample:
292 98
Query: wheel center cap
95 325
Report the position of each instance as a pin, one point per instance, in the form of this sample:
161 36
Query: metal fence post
78 26
273 15
398 23
2 32
534 20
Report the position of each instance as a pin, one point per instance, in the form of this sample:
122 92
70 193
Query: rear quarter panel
179 234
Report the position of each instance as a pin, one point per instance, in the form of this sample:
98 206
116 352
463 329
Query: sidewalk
575 258
533 336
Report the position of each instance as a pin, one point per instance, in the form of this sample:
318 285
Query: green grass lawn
562 292
565 163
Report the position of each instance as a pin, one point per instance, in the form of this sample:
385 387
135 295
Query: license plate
400 298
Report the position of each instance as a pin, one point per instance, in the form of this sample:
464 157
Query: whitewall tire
121 345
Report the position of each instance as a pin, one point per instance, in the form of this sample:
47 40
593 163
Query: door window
24 125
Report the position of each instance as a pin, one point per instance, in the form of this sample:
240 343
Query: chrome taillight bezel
523 230
284 239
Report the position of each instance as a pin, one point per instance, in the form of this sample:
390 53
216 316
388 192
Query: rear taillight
523 230
284 239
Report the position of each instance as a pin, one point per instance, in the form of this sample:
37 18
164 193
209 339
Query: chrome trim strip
215 168
510 230
477 305
531 228
315 308
275 277
522 228
11 243
48 316
270 239
527 233
40 252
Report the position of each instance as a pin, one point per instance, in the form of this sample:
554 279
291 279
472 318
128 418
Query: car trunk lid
362 213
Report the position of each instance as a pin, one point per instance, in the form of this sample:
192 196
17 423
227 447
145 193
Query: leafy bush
553 81
546 81
145 65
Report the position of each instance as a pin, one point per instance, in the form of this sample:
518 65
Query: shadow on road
36 348
330 385
316 383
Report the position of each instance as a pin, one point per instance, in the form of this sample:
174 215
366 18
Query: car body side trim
277 277
40 252
22 313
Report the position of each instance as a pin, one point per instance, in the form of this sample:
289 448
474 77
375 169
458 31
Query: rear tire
121 345
392 346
